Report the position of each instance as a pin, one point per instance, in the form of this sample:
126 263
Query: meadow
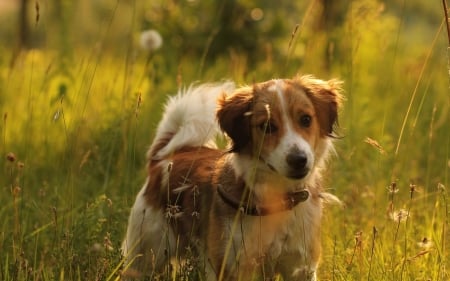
80 103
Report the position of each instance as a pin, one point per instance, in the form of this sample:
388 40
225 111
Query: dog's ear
327 99
234 114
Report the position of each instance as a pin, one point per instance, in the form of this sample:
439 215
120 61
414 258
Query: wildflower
425 243
173 211
11 157
400 215
151 40
392 188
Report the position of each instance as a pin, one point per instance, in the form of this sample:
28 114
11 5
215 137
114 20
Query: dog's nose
297 159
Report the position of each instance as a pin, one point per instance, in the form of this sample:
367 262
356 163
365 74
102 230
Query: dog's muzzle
298 164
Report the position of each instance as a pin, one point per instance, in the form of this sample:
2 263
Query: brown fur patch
326 99
152 191
233 119
188 192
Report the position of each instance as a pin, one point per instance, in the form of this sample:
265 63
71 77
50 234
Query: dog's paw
304 274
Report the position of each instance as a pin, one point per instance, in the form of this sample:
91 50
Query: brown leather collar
290 200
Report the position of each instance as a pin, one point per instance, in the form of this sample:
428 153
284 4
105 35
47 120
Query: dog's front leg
294 267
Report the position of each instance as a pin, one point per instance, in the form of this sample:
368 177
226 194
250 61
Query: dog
250 210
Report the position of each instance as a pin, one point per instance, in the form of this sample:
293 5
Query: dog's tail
189 119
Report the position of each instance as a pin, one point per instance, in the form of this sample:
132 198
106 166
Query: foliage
80 104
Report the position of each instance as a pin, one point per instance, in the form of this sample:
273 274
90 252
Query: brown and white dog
251 211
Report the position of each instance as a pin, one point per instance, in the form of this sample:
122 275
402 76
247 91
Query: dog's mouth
298 174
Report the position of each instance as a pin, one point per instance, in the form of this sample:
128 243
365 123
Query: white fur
290 139
190 115
144 222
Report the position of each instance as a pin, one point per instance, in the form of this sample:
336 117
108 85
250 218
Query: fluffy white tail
189 119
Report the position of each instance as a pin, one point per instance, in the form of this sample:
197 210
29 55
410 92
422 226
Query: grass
73 138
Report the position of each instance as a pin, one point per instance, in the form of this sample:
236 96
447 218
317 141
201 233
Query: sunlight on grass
75 125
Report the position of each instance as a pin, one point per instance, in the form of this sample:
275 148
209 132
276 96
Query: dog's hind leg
149 242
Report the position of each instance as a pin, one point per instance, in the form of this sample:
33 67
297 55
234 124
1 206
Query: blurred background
82 85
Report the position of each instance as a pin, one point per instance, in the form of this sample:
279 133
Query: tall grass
73 138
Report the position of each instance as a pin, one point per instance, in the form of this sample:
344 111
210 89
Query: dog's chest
272 236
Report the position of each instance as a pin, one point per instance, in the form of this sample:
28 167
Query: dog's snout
297 159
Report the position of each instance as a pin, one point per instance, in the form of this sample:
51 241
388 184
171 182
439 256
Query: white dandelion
151 40
425 243
400 216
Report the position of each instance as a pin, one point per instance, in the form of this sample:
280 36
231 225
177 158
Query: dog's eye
305 120
268 127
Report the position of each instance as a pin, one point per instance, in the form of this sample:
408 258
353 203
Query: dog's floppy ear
327 99
234 114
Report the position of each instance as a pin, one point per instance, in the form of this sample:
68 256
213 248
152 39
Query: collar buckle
290 201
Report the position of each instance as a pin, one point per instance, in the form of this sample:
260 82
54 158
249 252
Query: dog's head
285 124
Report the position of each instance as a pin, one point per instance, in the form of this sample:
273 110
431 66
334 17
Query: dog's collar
290 200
